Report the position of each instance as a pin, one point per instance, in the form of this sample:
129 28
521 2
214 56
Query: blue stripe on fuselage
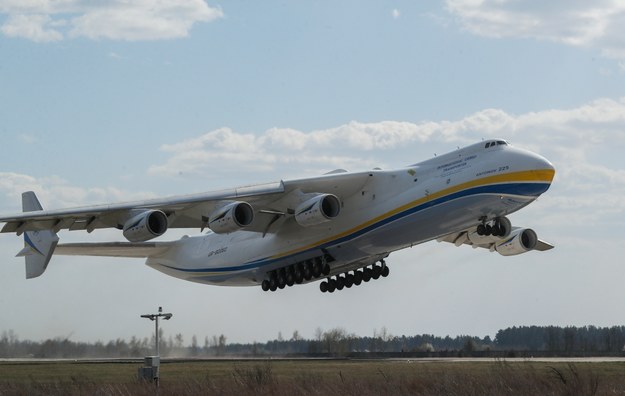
522 189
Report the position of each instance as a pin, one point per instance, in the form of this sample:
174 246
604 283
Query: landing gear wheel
298 276
307 273
323 286
481 230
290 280
317 270
349 280
385 271
357 278
340 283
366 275
377 271
489 230
326 269
265 285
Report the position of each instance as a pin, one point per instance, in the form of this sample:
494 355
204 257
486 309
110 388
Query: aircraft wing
462 238
268 201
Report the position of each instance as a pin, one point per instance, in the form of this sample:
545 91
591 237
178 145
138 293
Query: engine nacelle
317 210
521 240
231 217
478 239
145 226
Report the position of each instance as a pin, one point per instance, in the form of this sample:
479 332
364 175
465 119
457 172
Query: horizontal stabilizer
115 249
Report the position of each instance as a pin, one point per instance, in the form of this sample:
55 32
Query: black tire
340 283
481 230
290 280
281 281
265 285
273 288
326 269
366 275
357 278
377 271
298 276
323 286
349 280
385 271
317 270
273 283
331 286
489 230
307 273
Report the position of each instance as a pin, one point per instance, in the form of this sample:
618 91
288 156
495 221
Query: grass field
316 377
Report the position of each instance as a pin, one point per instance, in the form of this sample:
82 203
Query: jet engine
146 225
231 217
317 210
521 240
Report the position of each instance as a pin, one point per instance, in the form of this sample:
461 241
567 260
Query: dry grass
305 377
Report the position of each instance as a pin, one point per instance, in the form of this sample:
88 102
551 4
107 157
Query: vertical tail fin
38 245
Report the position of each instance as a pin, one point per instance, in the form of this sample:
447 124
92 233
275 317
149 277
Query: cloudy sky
109 101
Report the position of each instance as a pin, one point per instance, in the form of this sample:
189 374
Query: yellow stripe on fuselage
532 176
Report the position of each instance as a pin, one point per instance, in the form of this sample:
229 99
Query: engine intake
231 217
521 240
317 210
145 226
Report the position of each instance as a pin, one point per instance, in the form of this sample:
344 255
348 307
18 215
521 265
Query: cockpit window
495 143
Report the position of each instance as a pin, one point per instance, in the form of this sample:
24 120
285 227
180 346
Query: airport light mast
154 317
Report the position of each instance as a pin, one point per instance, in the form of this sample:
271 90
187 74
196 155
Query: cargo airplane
337 228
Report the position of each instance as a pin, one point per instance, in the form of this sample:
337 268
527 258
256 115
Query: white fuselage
393 210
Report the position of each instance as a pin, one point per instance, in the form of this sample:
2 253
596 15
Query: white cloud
395 13
33 27
582 142
599 24
55 192
47 20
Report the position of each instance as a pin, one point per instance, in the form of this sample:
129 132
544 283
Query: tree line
550 340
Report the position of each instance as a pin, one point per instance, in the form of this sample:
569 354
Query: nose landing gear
495 228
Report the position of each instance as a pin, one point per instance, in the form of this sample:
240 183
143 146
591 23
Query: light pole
152 364
154 317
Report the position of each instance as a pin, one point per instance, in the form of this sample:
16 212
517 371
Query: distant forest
513 341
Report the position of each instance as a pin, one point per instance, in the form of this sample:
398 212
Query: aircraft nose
542 166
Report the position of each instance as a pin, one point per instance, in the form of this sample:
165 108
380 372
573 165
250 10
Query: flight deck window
487 145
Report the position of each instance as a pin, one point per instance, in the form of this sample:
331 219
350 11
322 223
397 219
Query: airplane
337 228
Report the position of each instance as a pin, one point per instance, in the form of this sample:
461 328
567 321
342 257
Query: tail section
38 245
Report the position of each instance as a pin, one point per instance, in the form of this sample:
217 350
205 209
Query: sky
113 101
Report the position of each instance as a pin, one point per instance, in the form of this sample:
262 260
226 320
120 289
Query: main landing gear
348 280
296 273
494 228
